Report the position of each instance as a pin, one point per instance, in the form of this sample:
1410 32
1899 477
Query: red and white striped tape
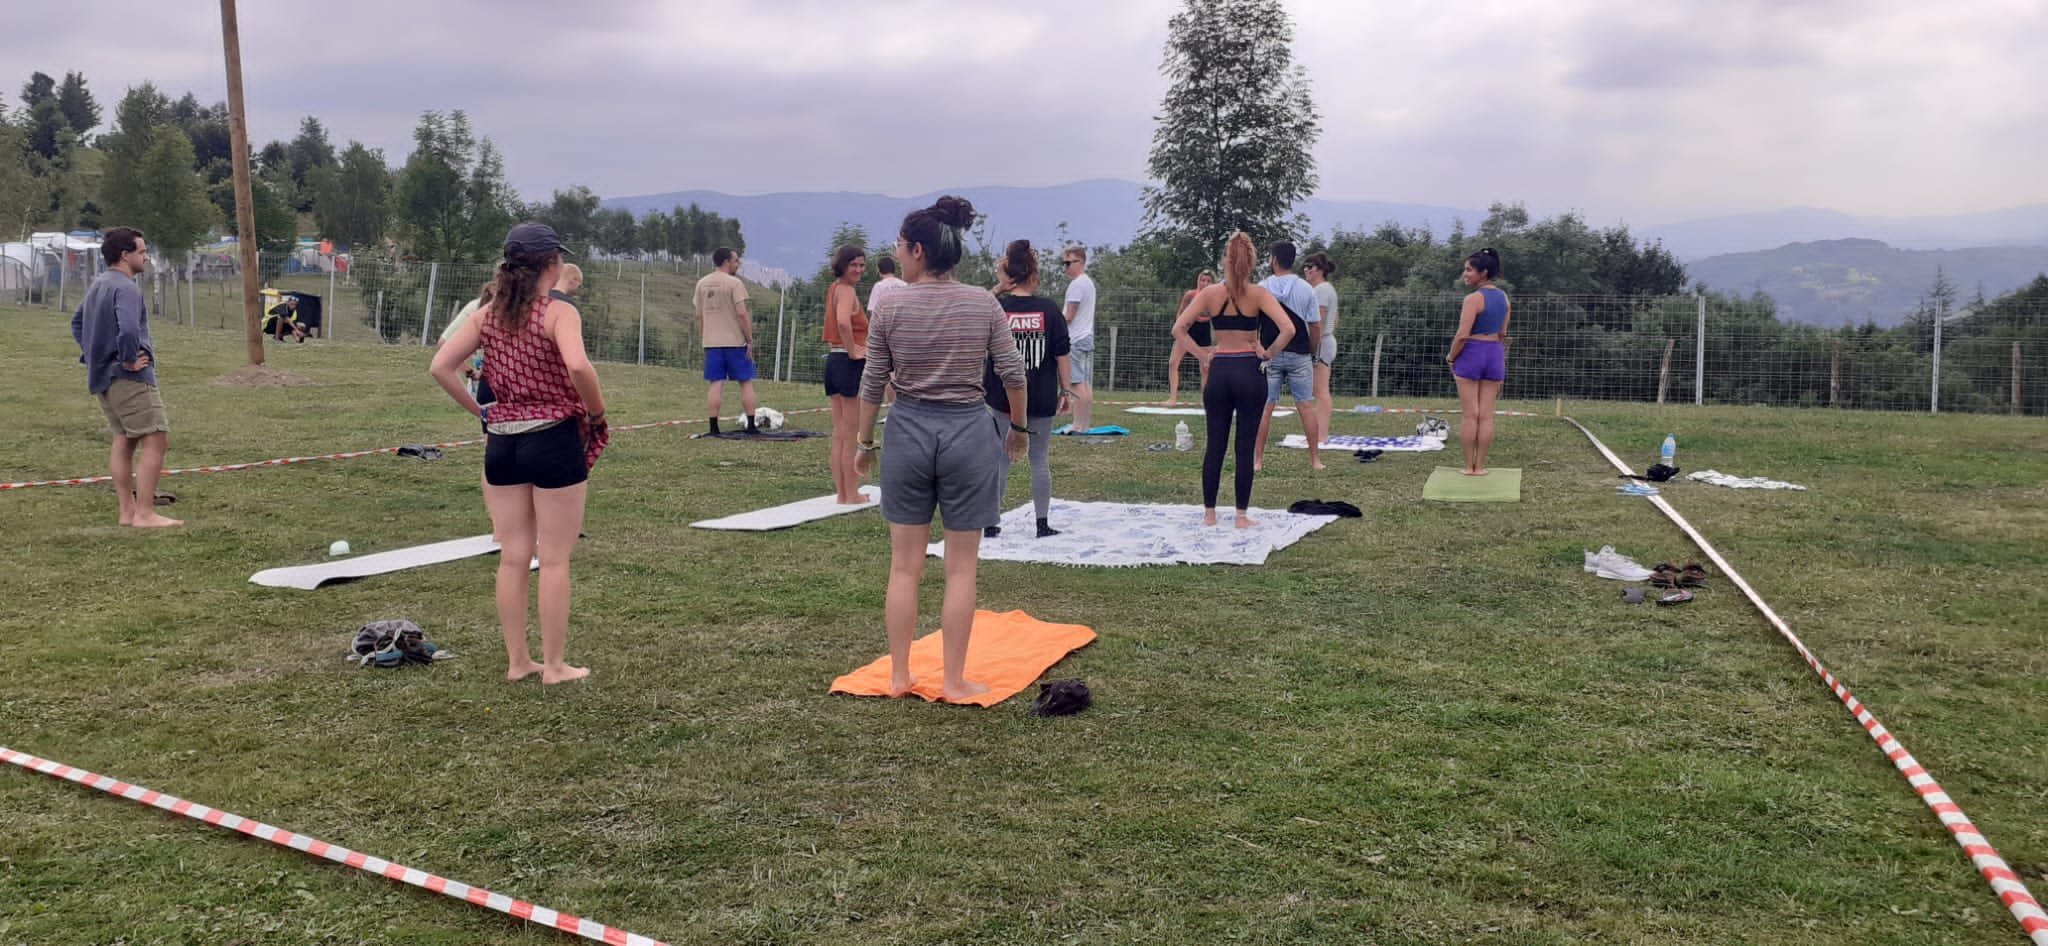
2004 882
520 909
287 461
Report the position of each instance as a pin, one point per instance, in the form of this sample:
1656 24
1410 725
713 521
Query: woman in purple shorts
1478 357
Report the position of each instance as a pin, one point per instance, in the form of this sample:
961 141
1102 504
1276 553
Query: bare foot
1317 466
150 520
967 690
521 671
564 675
903 686
127 520
1245 521
1209 517
859 499
1473 472
1171 402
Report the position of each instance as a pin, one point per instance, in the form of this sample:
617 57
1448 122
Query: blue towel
1108 431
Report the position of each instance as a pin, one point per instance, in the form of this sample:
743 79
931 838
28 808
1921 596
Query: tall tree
613 229
569 212
175 212
140 119
44 118
352 199
207 128
308 152
81 112
450 201
1233 146
24 195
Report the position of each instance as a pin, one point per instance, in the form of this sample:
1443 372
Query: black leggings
1236 385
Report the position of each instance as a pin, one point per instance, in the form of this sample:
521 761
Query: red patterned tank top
525 370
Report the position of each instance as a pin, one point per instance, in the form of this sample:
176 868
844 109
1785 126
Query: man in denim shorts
1295 368
111 327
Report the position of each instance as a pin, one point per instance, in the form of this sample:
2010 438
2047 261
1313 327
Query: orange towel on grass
1007 651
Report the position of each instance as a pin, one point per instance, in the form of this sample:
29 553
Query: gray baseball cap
535 238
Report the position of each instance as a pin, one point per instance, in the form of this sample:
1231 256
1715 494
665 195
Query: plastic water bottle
1183 439
1669 454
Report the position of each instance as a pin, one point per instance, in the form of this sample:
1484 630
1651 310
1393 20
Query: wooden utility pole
245 204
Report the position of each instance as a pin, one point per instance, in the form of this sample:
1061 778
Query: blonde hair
1237 263
572 274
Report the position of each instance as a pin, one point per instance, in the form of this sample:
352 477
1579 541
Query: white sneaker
1608 563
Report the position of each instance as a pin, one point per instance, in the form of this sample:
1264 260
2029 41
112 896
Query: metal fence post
782 307
1376 345
427 318
2015 379
1110 380
1699 358
380 315
1934 396
643 319
333 305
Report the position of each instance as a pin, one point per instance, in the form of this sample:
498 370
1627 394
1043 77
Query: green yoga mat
1499 485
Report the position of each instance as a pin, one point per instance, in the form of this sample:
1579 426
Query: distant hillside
790 230
1741 233
1833 281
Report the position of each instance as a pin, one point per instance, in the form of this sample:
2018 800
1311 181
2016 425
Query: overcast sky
1639 112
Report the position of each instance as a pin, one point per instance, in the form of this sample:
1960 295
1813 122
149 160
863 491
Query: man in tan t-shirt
721 302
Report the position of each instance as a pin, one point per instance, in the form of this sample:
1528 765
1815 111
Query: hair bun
954 211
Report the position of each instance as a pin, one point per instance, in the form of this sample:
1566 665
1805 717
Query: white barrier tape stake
520 909
287 461
2004 882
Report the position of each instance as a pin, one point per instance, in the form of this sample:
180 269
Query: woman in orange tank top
846 332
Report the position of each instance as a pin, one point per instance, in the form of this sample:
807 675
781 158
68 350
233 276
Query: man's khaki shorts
133 409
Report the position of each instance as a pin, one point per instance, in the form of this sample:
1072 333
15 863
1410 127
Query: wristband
1020 428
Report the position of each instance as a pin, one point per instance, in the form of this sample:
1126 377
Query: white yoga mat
1190 411
1732 481
309 577
791 514
1410 443
1119 535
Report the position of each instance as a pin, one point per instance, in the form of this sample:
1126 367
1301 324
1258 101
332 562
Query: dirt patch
262 376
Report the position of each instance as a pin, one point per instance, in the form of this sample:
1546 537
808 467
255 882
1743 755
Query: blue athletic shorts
728 364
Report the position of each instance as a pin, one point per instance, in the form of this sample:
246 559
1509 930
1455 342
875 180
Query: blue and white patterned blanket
1410 442
1122 535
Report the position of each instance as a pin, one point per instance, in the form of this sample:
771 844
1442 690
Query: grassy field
1426 726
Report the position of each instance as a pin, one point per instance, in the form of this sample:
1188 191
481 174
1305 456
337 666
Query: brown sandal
1693 575
1665 575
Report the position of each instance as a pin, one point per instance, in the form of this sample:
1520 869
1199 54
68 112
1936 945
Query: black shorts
1199 334
842 374
545 459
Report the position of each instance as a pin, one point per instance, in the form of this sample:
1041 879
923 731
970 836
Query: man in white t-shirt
886 285
1080 334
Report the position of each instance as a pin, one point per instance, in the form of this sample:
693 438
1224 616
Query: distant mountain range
790 230
1830 282
1822 266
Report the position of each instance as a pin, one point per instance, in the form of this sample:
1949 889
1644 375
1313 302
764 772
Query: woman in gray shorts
945 450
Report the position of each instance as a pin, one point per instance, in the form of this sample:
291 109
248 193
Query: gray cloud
1625 110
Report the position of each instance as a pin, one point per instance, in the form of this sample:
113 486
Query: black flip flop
165 499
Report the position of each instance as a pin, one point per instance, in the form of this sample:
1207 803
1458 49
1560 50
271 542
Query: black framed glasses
1069 262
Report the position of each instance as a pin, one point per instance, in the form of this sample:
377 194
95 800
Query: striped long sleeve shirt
933 340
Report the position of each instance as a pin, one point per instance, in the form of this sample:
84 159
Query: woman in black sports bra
1237 383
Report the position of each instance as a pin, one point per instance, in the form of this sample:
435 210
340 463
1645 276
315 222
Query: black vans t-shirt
1040 329
1301 344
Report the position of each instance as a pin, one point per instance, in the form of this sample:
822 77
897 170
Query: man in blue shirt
111 327
1294 368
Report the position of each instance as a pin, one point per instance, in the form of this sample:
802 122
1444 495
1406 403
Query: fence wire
1390 344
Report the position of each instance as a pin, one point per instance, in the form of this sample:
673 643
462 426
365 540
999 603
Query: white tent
23 265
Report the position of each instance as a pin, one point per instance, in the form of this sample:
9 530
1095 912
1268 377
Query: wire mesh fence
1390 344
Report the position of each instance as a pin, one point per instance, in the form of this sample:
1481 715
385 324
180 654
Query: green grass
1426 726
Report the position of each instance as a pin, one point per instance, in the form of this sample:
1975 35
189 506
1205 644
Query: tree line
165 166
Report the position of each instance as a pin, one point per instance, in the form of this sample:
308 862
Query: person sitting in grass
283 319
